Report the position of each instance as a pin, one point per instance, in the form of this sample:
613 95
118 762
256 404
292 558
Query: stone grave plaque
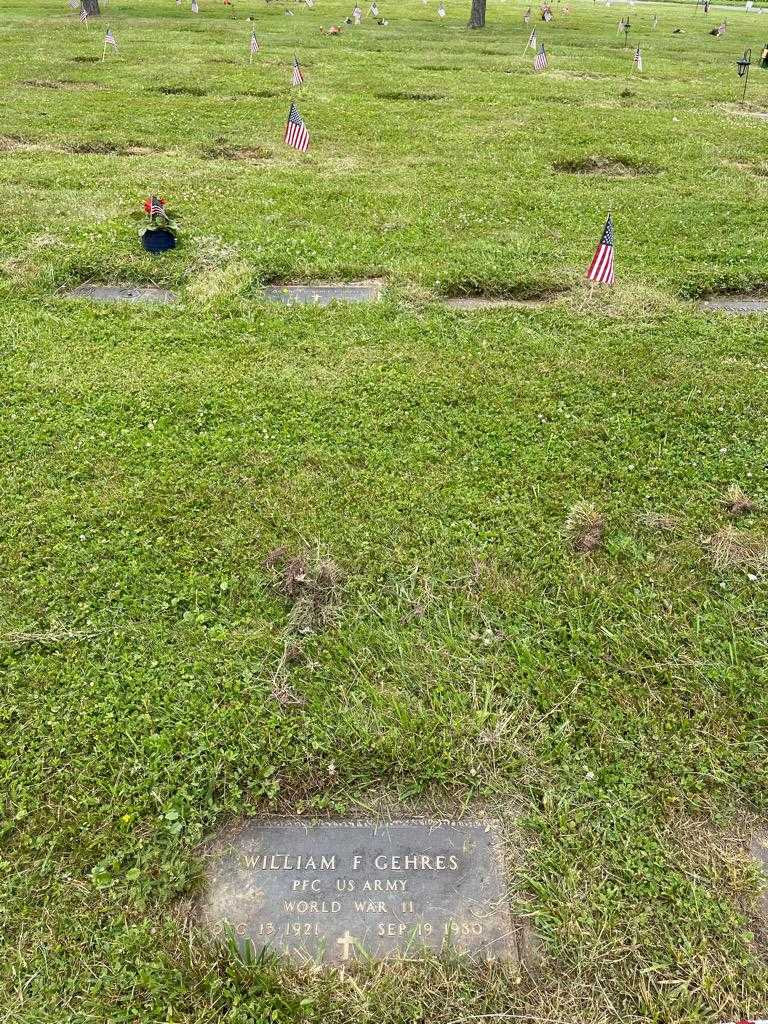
741 305
122 293
322 294
334 892
759 850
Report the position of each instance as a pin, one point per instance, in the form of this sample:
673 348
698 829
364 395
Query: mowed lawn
424 461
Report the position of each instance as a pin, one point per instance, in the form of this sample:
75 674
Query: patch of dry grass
585 527
737 503
738 549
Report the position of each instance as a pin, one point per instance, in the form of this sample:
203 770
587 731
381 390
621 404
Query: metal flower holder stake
743 65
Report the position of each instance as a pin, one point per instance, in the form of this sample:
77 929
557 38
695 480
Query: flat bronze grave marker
333 892
740 305
122 293
322 294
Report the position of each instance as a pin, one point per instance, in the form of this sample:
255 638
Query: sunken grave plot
608 166
473 296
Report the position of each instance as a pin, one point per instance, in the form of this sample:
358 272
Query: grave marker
323 294
338 891
122 293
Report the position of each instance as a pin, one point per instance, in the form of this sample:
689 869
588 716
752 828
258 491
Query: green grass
152 458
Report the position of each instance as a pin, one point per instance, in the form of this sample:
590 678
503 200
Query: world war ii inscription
335 891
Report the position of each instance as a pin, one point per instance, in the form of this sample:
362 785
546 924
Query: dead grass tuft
659 521
310 584
584 527
737 549
737 503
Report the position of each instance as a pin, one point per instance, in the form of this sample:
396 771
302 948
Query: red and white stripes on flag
109 39
296 134
531 40
297 78
254 44
638 59
540 60
84 16
601 268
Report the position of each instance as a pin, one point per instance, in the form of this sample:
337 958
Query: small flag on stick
84 17
254 46
109 40
195 8
601 268
540 61
638 60
296 134
297 78
531 41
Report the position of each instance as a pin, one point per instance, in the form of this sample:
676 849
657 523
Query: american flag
84 16
374 10
721 28
156 207
195 8
254 44
309 3
441 11
296 134
622 26
638 59
297 78
109 39
531 40
601 267
540 60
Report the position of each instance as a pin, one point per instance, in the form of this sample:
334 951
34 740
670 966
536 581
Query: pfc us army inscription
337 891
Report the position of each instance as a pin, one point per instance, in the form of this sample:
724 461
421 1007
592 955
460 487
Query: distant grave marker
739 305
322 294
475 303
759 850
338 891
122 293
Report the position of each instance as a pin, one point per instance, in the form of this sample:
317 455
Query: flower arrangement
158 234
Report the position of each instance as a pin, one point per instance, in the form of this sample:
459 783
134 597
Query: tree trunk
91 7
477 17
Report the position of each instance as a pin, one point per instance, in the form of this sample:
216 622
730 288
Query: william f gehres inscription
337 891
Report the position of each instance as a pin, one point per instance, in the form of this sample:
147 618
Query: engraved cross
346 941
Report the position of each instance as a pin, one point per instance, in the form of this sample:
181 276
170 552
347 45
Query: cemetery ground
262 558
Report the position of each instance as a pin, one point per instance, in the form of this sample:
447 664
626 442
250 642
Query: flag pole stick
104 54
